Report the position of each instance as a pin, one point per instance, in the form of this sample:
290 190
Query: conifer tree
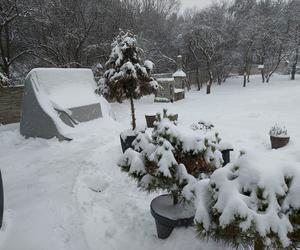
247 208
173 158
126 76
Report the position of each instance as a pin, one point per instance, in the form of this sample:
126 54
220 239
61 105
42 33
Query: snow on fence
10 104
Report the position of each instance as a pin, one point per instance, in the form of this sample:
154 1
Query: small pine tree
126 76
240 206
172 158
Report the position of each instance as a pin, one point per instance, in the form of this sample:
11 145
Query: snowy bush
4 81
278 131
202 125
254 201
172 157
126 76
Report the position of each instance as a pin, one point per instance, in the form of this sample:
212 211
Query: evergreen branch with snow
173 158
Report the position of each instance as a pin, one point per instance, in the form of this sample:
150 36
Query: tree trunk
175 197
7 57
6 70
258 244
294 67
208 87
245 79
262 75
4 56
293 73
249 72
198 79
133 120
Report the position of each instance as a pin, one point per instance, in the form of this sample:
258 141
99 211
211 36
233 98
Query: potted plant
279 136
150 119
171 159
127 77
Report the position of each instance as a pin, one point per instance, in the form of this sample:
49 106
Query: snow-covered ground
71 195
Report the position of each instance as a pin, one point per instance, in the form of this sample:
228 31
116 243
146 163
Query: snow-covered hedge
253 201
172 157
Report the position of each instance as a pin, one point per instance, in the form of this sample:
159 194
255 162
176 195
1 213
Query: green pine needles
172 157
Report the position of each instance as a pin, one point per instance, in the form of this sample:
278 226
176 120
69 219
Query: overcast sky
193 3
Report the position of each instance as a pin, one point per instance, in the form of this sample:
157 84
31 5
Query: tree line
224 38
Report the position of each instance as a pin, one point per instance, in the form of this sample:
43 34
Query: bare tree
293 9
245 29
207 42
10 49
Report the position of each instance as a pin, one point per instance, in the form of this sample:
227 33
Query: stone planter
1 200
150 119
279 142
127 142
168 216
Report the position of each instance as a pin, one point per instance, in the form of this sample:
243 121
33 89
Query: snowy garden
132 153
72 195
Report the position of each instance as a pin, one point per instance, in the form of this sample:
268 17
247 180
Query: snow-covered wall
10 104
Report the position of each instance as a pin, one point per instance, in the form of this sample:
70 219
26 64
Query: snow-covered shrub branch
253 201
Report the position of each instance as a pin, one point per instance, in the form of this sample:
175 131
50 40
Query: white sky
197 3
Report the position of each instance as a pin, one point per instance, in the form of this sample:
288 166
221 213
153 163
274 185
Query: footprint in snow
97 184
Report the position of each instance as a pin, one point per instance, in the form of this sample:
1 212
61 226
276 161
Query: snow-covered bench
56 100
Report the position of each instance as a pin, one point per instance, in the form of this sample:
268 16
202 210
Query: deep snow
71 195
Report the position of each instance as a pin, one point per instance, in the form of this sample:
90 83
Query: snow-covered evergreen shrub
251 202
172 157
278 131
126 76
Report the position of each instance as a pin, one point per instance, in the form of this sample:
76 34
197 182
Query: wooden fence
10 104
